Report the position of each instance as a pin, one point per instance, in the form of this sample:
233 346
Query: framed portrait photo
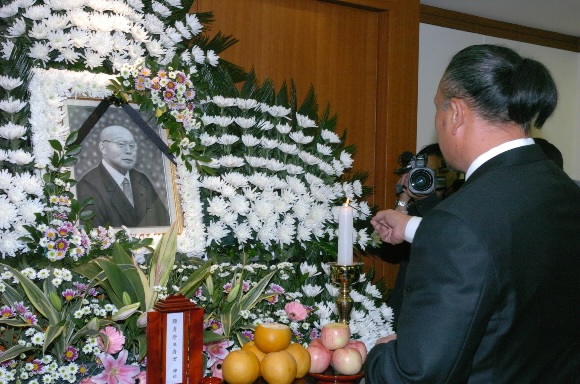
130 179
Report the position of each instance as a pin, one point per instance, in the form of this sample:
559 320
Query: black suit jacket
111 205
493 286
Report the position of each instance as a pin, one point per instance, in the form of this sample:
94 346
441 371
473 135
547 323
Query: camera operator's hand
390 225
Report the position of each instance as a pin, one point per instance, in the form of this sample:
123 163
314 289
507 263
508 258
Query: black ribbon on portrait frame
100 110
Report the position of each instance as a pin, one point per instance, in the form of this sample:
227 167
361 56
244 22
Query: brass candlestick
344 276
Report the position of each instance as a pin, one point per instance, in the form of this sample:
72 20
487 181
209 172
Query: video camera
421 177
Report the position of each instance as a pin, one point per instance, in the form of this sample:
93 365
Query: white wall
436 47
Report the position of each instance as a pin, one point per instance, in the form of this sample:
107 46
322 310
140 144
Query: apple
335 335
315 341
347 361
319 358
360 347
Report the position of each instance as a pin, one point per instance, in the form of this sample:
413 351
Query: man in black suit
491 294
122 195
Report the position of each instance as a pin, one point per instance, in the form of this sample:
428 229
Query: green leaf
163 258
14 352
55 144
69 161
51 334
126 311
55 301
195 280
72 138
212 337
250 299
209 284
126 298
36 296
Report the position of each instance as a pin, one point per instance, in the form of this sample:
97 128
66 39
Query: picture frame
151 166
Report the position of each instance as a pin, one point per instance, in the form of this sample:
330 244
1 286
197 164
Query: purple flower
246 286
37 366
227 287
6 312
61 245
189 94
30 318
276 288
248 334
71 354
168 94
215 326
69 294
20 307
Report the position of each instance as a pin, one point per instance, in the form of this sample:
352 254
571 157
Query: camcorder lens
421 181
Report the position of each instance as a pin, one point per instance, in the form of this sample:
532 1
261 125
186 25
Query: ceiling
562 16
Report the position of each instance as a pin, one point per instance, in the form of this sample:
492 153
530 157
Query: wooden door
360 55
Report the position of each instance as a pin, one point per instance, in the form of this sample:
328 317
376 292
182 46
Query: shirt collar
116 175
481 159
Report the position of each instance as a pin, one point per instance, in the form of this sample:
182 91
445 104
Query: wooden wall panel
360 55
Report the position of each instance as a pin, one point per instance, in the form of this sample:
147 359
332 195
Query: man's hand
386 339
390 225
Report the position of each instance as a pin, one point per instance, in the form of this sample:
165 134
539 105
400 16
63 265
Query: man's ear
458 114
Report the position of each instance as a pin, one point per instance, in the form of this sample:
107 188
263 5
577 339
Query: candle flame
347 202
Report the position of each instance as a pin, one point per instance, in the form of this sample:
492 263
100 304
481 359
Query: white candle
345 234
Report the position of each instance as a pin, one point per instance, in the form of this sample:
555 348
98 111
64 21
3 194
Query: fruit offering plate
330 376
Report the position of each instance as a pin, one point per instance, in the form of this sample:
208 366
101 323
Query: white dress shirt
414 222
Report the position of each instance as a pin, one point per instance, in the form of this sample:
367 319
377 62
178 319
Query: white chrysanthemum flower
38 31
305 121
11 105
363 238
275 165
160 9
135 50
312 290
357 297
17 29
37 12
246 123
346 159
231 161
101 43
16 195
239 204
6 48
12 131
265 125
250 141
10 242
206 139
155 48
68 55
227 139
135 4
300 137
223 121
288 148
269 143
326 168
308 158
236 179
79 38
198 54
246 104
212 58
93 59
5 179
278 111
332 290
193 23
338 167
256 162
139 33
217 206
284 128
20 157
173 35
9 83
330 136
29 208
8 213
216 231
182 29
324 149
357 187
9 10
153 24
